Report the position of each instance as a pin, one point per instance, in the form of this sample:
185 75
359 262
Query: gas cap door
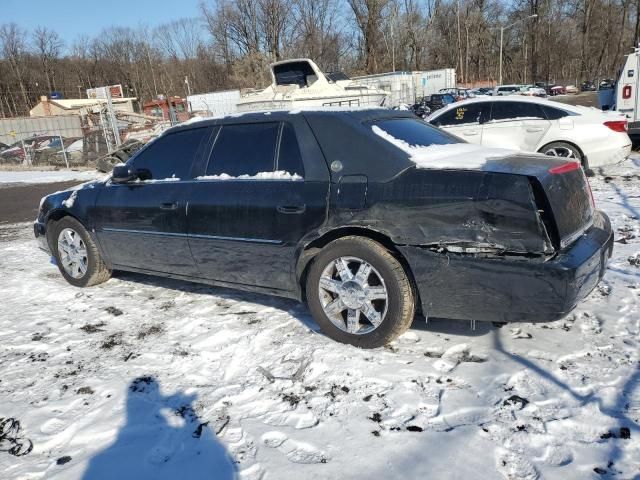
352 192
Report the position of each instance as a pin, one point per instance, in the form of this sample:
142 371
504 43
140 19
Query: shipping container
215 103
409 87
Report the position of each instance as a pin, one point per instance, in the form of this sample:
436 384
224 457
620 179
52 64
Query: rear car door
464 121
142 224
264 188
516 125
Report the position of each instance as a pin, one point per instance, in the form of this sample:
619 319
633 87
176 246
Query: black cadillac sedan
366 215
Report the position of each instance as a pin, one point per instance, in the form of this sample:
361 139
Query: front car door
264 188
516 125
464 121
142 224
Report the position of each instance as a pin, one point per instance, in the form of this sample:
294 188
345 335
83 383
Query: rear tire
564 150
76 253
359 293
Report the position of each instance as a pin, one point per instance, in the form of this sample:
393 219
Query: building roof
71 103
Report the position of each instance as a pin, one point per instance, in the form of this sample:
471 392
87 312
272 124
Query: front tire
76 253
359 293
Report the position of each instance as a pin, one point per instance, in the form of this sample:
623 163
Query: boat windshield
294 73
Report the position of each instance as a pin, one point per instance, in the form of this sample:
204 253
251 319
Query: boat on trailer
300 83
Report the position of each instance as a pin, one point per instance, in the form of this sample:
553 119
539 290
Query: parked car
458 93
16 153
437 101
587 86
557 90
585 134
502 90
421 110
366 215
571 89
533 91
606 84
482 91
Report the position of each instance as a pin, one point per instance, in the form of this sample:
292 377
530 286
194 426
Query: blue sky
71 18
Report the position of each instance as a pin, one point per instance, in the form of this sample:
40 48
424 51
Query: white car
502 90
533 91
592 137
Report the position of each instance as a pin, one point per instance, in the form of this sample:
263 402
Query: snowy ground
46 176
151 378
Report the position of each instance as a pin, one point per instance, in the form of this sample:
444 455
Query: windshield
415 132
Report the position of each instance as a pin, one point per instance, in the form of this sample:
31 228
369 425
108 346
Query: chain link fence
75 141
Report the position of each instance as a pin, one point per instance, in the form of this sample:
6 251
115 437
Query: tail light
564 168
617 125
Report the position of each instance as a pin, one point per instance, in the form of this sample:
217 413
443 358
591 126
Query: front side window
461 115
244 149
172 155
415 132
501 111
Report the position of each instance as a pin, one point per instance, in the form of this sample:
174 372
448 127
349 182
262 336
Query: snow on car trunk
154 378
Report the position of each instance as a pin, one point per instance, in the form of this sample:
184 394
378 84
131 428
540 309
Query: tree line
231 43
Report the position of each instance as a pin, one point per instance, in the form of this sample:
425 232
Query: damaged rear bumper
466 287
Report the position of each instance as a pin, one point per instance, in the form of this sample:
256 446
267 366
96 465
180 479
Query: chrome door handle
534 129
470 133
169 205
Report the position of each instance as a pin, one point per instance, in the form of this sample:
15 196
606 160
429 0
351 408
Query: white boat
300 83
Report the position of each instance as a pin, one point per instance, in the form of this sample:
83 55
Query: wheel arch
585 160
57 215
310 251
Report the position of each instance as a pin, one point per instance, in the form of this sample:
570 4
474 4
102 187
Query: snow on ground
47 176
152 378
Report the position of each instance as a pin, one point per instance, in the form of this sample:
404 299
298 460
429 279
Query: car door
262 192
465 121
142 223
515 124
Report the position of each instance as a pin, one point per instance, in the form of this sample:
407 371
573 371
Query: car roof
514 98
358 114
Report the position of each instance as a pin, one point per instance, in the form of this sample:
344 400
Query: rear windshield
416 132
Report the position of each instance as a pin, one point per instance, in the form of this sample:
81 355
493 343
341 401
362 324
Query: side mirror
122 174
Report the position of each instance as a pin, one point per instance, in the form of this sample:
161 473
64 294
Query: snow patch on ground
47 176
145 377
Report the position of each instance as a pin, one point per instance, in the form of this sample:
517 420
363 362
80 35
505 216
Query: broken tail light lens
617 125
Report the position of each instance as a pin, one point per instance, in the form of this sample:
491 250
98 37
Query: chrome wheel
561 151
353 295
72 253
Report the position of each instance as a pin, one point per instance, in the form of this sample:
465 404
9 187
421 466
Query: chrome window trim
191 235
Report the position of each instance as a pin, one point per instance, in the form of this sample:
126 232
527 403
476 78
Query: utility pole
502 29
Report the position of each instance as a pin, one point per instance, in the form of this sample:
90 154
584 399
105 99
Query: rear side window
415 132
513 110
289 158
172 155
554 113
244 149
461 115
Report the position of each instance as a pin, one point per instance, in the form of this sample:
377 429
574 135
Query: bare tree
48 46
14 50
369 15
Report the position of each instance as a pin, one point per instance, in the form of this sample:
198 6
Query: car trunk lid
561 189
